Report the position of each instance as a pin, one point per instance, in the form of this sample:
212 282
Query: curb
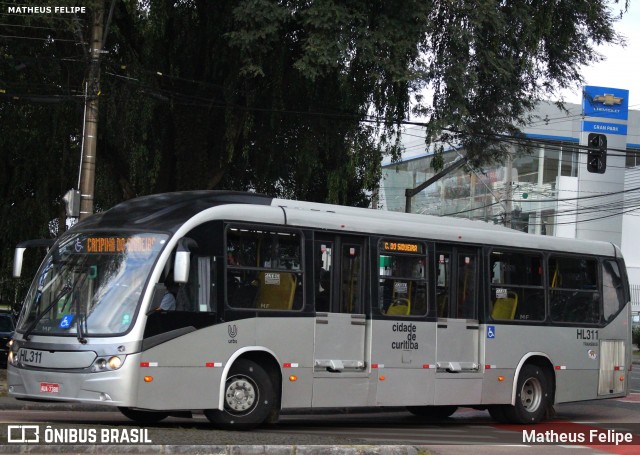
10 403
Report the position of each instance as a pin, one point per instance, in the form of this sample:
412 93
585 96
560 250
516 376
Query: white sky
621 68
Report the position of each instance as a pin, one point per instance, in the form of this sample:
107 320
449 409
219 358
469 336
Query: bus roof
169 211
166 211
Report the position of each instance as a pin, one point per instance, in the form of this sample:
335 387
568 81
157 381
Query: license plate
49 387
30 357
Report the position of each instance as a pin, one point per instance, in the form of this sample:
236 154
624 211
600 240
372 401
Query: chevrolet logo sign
607 99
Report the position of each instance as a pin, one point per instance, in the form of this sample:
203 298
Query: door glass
351 260
442 284
324 255
467 286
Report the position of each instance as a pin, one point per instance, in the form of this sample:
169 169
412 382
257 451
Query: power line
49 39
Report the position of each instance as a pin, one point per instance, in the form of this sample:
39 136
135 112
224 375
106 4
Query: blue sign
491 331
604 128
605 102
66 321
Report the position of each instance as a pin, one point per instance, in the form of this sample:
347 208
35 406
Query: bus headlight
114 362
106 364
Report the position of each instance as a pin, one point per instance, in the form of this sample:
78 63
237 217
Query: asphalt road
391 432
467 427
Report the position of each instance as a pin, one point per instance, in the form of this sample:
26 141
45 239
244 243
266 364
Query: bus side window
612 290
263 269
574 295
517 291
402 285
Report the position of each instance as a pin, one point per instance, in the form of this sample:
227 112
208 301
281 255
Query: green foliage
274 97
635 336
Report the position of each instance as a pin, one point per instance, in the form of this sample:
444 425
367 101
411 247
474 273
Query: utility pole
88 160
508 216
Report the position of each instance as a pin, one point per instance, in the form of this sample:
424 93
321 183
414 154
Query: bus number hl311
586 334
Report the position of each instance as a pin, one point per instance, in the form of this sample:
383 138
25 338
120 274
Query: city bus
280 304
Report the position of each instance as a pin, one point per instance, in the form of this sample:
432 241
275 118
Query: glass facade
527 193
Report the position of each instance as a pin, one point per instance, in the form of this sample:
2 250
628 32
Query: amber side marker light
382 378
293 378
148 378
500 378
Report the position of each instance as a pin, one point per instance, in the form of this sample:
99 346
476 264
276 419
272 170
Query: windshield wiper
80 317
64 291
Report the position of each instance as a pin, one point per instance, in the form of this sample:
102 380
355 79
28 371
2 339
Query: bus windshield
90 284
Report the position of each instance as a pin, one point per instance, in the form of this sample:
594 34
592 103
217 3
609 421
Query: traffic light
597 154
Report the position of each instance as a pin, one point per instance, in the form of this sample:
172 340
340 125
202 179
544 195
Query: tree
292 98
490 62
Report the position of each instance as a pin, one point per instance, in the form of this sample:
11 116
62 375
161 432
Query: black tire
432 412
249 398
532 396
142 416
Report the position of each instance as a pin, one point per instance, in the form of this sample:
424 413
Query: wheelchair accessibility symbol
66 321
491 331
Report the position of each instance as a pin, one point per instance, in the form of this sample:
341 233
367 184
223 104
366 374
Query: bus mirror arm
183 260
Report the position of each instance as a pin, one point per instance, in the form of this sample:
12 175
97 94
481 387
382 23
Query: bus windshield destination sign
402 247
116 245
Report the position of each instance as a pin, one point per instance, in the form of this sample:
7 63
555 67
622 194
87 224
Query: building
549 191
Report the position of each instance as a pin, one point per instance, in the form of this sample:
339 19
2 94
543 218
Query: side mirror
18 256
182 261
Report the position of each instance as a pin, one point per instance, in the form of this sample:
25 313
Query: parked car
7 326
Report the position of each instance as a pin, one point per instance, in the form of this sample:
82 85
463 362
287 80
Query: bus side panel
457 388
187 371
405 353
574 360
291 338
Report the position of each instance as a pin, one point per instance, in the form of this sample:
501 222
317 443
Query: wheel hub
531 394
240 395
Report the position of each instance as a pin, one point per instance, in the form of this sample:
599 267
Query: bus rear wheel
432 412
249 398
143 416
532 396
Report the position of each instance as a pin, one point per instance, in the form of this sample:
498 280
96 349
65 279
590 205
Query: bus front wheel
532 396
249 398
143 416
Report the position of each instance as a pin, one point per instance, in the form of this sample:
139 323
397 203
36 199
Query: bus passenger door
340 329
458 344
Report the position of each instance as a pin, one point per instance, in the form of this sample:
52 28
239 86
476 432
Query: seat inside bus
276 290
505 307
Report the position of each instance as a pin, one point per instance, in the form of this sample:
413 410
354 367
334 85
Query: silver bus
242 306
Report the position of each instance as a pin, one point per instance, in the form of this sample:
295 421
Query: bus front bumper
113 387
